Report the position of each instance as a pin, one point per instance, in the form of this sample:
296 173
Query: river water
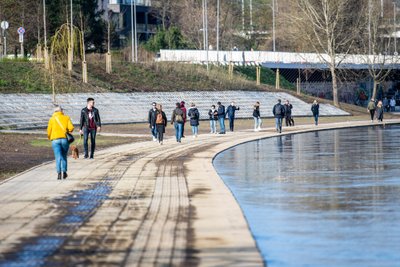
328 198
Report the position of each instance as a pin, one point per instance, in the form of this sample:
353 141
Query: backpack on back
278 110
159 119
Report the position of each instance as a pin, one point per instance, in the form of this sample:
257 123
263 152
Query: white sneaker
154 139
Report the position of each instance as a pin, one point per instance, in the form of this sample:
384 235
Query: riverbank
145 205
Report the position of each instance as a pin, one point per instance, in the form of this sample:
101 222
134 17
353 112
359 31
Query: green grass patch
268 76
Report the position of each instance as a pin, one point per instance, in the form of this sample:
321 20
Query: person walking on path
221 117
90 124
213 115
392 104
385 104
177 121
257 117
161 123
315 111
371 108
379 111
231 110
152 121
59 125
288 114
194 116
279 113
183 108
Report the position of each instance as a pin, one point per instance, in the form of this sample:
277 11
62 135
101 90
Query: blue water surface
329 198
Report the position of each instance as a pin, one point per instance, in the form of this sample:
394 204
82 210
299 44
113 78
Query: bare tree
331 28
377 45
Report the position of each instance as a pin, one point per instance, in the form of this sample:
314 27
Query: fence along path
34 110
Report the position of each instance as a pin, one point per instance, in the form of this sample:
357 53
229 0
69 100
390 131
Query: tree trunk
374 89
334 87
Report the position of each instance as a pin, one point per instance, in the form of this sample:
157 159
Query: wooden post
277 80
258 75
84 72
230 71
39 55
108 63
298 86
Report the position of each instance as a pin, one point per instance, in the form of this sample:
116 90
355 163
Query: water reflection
321 199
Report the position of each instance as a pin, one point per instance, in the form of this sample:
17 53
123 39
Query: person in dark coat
213 116
184 110
279 113
231 110
315 111
288 114
90 124
221 117
194 116
177 121
152 121
161 123
257 117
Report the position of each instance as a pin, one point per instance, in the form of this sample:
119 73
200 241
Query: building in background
120 14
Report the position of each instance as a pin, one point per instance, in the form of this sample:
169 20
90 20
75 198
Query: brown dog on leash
74 151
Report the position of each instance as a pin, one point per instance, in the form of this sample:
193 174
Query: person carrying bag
59 131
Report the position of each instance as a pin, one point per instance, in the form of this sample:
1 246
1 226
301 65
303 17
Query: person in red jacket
184 117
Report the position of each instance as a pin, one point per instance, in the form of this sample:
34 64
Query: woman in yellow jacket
59 125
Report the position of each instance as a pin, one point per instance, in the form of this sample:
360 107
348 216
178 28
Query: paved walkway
139 204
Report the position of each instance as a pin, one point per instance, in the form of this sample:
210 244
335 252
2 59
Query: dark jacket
164 118
194 116
288 110
256 112
315 109
177 111
231 111
84 121
152 117
278 110
221 112
213 115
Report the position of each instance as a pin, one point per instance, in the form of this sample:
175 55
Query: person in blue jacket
231 115
221 117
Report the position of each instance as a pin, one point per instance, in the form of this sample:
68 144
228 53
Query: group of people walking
59 131
217 114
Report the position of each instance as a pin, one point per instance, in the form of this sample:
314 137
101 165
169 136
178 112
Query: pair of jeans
316 118
178 131
278 123
154 131
289 121
160 132
213 126
195 130
92 133
257 123
222 125
231 123
372 113
60 149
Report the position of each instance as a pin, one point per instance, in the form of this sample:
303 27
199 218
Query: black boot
65 175
59 176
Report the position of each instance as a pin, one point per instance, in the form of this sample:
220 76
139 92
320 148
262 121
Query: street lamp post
395 28
218 11
46 52
206 19
135 27
273 26
132 32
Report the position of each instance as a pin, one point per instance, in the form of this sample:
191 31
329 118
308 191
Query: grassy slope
29 77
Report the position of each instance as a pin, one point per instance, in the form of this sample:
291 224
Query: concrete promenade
139 204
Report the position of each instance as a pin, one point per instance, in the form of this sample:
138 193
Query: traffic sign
4 25
21 30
